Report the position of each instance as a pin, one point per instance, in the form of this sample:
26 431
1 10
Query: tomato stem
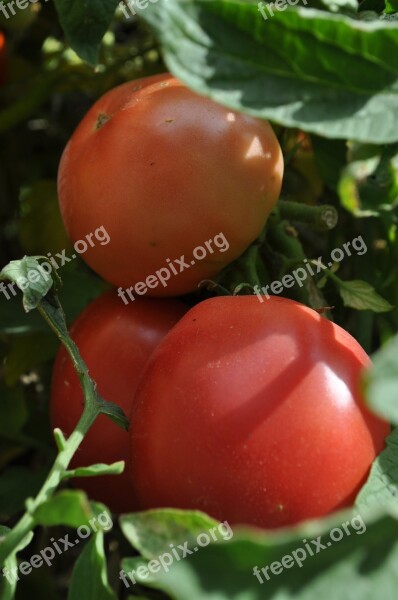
322 217
52 312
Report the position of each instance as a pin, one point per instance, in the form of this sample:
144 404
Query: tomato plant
171 119
265 423
115 341
163 169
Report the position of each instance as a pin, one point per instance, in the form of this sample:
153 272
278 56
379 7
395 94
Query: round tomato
164 171
115 341
252 412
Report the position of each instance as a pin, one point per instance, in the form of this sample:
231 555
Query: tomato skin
264 423
164 170
115 341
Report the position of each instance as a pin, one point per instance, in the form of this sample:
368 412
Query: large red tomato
164 171
253 413
115 341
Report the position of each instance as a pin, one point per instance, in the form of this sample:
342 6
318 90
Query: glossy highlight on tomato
164 169
253 413
115 341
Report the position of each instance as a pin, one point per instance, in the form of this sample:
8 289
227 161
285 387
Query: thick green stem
290 249
250 266
54 478
251 263
324 217
282 237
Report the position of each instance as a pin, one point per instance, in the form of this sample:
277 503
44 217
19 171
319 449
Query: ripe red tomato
115 341
164 171
253 413
3 63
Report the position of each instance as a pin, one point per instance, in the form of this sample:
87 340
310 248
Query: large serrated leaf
361 562
362 296
325 73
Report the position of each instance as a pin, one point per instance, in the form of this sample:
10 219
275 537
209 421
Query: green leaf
152 531
114 412
68 507
89 577
94 470
136 572
362 563
381 382
391 6
72 508
325 73
382 484
361 296
8 585
29 276
349 186
369 187
85 23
